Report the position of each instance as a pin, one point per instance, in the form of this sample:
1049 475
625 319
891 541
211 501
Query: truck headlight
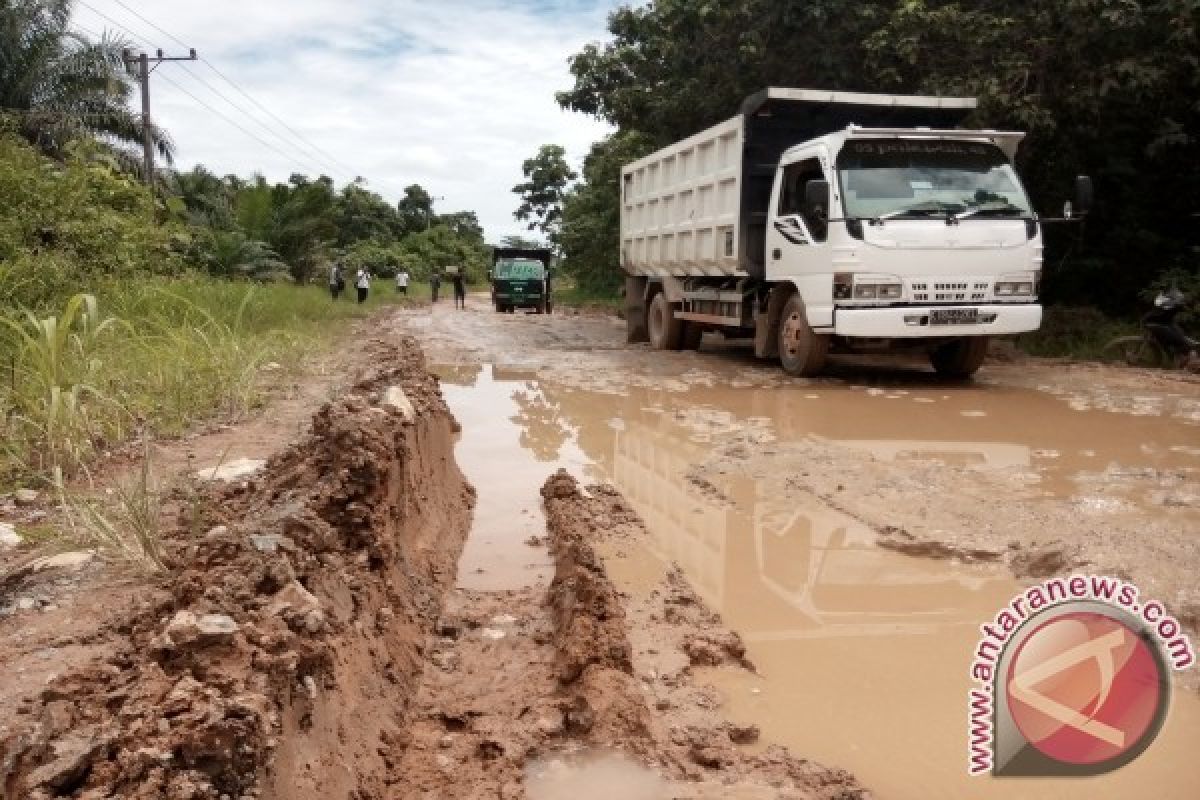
865 291
890 291
1014 288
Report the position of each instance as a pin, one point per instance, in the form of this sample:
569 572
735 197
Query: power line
233 122
354 174
310 152
306 159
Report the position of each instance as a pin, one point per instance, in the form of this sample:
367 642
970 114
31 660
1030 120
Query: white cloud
451 94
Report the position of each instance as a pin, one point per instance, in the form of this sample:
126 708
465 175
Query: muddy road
854 530
509 556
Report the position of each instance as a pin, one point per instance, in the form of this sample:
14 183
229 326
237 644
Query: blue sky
451 94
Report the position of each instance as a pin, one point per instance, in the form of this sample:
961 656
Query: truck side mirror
816 200
1083 195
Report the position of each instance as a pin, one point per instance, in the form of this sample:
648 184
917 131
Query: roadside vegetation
1103 87
131 311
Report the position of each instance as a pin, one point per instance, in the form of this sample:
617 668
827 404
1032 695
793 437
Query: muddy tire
960 358
666 330
499 308
801 352
692 334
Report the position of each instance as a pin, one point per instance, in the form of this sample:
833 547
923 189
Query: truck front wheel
960 358
666 330
801 351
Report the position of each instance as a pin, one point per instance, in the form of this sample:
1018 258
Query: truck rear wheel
666 330
960 358
801 351
692 334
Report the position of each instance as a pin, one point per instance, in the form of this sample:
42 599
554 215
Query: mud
857 529
286 643
540 690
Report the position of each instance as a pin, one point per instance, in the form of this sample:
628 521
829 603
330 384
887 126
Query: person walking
337 280
402 281
460 290
363 283
435 283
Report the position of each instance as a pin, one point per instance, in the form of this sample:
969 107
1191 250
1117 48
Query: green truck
521 279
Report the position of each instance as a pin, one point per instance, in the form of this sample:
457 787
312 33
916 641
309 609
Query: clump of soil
288 640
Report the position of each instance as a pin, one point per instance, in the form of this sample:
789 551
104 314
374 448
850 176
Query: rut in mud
280 657
533 689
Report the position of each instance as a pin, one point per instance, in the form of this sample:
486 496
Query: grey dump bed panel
699 207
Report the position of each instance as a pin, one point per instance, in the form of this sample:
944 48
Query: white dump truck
818 221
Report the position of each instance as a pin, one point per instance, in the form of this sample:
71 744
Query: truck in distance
818 221
520 278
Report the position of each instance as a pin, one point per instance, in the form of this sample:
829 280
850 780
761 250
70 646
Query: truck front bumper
917 322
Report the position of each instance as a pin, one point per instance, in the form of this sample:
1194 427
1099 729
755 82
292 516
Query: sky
451 94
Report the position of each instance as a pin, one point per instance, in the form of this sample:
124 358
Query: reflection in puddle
512 439
594 776
862 652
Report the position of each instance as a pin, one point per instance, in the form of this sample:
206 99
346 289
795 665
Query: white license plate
954 316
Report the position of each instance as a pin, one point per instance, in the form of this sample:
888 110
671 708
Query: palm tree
61 86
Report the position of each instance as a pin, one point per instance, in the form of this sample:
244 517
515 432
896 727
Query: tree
362 215
206 198
592 214
465 224
547 176
415 209
61 86
522 243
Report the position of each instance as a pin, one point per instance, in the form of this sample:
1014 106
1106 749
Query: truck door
797 243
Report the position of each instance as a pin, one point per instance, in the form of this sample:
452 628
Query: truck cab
520 278
907 235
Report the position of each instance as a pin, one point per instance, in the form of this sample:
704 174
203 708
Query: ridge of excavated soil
287 641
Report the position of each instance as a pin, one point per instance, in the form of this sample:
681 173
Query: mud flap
766 323
636 328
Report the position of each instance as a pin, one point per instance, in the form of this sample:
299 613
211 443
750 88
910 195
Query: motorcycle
1162 343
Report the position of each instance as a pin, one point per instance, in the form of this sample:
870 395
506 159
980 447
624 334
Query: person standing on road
460 290
337 280
402 281
363 283
435 283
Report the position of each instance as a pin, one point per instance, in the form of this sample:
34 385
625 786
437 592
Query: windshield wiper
928 207
989 208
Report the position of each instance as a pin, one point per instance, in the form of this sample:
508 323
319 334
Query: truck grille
950 290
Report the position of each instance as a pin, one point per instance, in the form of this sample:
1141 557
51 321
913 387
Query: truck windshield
521 269
894 178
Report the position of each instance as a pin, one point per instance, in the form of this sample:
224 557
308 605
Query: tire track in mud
530 679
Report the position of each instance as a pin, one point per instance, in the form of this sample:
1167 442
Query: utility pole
142 62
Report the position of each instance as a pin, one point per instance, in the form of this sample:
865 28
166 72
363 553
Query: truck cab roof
1007 141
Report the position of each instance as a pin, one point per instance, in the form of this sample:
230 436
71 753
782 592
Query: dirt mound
682 733
288 639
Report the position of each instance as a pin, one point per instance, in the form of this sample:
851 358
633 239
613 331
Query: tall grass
151 357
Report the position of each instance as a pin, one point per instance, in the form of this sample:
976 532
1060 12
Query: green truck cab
521 279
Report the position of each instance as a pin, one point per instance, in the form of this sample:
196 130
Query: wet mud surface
856 530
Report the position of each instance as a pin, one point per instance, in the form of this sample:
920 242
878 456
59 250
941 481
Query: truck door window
791 197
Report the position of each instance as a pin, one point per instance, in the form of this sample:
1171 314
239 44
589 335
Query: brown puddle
863 653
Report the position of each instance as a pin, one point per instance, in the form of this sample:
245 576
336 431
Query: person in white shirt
402 281
363 283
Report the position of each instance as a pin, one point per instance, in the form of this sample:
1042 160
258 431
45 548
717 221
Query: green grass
1078 333
152 357
577 297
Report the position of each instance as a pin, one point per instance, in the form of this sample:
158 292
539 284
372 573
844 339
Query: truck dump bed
699 206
